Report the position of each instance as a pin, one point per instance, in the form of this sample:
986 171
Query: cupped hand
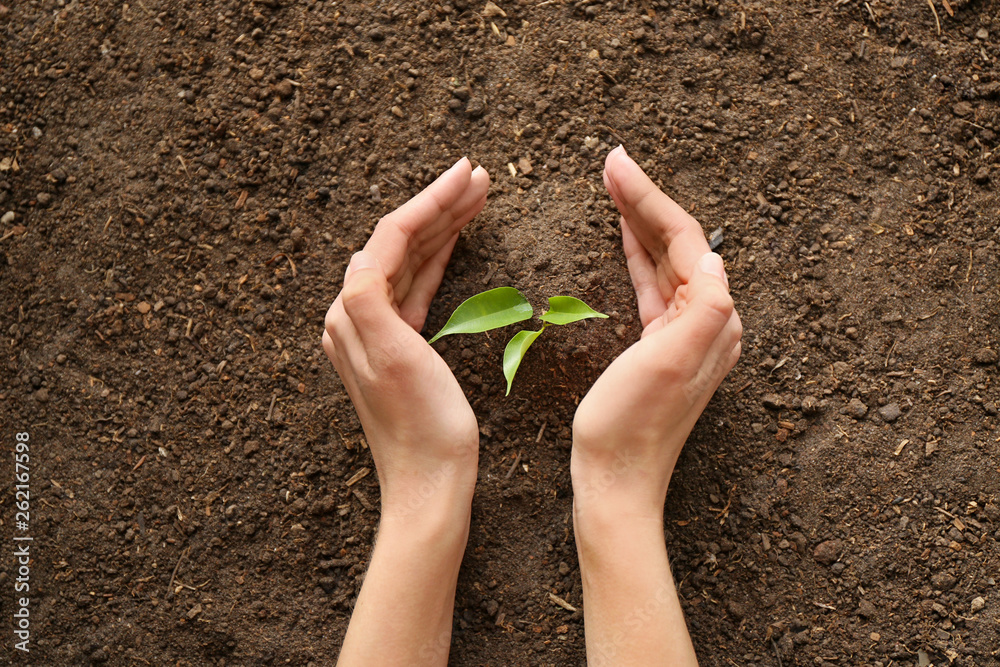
423 434
631 426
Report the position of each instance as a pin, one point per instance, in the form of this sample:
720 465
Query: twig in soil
141 461
7 235
170 586
937 20
947 8
513 466
969 122
872 13
777 653
889 356
358 476
363 500
562 603
290 262
489 274
270 409
613 133
541 432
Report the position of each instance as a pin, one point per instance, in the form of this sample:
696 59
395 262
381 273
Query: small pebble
376 194
826 552
978 604
715 240
856 409
773 402
985 356
284 89
890 412
866 609
7 218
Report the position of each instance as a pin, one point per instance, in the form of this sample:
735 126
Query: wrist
608 541
415 482
435 531
611 486
443 493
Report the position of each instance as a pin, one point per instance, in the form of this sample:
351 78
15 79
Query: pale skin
424 437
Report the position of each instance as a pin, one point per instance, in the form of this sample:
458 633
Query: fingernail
479 168
456 164
712 263
361 260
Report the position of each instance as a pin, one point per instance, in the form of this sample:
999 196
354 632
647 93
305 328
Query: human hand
631 426
421 430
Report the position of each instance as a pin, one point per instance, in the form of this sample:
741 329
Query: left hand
422 432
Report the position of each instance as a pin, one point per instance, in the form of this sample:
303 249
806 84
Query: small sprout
487 310
515 351
505 305
568 309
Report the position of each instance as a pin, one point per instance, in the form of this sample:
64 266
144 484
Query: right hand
630 427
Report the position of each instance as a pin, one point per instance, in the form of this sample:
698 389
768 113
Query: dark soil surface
182 183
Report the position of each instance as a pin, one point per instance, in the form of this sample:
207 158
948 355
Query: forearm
631 609
403 615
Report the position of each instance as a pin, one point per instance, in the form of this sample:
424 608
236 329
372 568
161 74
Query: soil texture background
182 184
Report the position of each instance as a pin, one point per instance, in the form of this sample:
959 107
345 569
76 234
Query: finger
344 340
410 231
673 238
425 285
339 363
708 310
367 299
418 252
668 315
720 352
642 270
328 346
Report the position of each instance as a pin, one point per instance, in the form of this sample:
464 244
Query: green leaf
515 351
566 309
488 310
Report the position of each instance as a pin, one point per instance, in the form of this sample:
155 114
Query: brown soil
188 180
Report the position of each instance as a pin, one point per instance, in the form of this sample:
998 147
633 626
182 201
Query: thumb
367 298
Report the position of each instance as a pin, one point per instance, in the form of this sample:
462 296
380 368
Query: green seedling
502 306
